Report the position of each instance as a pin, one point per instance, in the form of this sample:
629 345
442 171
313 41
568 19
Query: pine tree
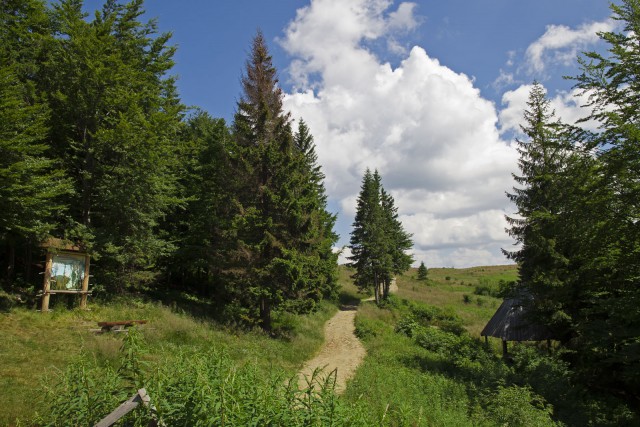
32 183
378 240
422 271
32 186
320 236
607 319
199 227
399 240
282 229
115 117
542 259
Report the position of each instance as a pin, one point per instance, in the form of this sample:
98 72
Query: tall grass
424 369
35 344
193 388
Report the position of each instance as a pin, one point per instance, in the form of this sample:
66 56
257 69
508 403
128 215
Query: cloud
425 127
503 80
561 44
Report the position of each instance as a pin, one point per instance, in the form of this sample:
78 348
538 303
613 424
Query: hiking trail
341 350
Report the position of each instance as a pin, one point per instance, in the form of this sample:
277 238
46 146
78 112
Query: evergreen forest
98 150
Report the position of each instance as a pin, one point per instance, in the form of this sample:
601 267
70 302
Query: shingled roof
511 323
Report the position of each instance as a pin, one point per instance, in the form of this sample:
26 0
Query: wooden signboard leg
85 284
47 280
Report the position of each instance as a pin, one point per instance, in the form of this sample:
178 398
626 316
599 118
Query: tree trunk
11 260
385 291
265 314
376 287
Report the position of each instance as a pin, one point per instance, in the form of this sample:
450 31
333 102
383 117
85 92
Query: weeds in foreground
194 388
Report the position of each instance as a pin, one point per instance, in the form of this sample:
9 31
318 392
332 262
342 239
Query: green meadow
426 365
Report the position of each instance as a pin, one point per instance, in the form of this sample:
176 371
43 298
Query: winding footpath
342 350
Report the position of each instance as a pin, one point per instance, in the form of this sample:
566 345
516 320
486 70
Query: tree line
97 148
578 214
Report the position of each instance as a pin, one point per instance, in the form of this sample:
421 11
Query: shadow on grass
348 301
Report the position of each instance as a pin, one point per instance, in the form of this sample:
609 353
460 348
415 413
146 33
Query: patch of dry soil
342 350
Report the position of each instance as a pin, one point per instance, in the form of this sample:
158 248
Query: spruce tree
422 271
32 185
378 240
399 240
607 320
31 182
115 118
319 236
538 227
282 230
199 227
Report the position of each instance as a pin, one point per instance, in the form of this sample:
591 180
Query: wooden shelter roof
511 323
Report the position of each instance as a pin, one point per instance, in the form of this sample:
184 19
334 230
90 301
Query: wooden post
47 284
140 397
486 341
85 283
505 351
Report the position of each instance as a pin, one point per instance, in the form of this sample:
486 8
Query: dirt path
342 350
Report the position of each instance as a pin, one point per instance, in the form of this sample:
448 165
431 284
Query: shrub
466 299
436 340
518 406
452 326
407 325
484 290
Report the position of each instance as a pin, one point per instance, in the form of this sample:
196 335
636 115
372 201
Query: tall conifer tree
31 182
280 201
607 322
115 117
378 240
537 228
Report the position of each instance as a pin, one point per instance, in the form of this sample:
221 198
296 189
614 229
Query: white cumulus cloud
425 127
561 44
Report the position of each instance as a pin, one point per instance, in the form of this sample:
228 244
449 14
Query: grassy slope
405 381
400 383
446 287
36 345
409 390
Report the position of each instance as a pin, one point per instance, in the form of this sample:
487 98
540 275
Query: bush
485 290
436 340
407 325
518 406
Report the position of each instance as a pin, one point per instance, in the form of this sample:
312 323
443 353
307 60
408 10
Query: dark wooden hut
512 323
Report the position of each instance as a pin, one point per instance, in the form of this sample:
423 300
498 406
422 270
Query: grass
36 344
442 292
436 374
423 375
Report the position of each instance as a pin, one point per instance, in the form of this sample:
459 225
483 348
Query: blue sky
429 92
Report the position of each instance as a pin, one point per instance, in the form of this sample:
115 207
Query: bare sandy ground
342 350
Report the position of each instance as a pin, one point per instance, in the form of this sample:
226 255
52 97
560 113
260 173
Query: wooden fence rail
140 397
